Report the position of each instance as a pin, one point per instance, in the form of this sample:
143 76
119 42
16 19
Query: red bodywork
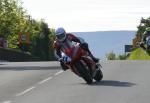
83 55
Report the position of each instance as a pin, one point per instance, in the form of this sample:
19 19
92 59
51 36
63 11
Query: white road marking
6 102
27 90
45 80
59 72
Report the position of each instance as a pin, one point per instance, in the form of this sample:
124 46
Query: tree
14 19
122 57
141 28
111 56
43 43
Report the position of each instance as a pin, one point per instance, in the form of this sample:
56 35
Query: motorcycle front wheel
84 72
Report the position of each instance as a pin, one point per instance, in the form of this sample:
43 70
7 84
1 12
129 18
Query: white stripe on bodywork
75 49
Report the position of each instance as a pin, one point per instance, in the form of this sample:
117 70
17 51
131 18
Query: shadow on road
28 68
113 83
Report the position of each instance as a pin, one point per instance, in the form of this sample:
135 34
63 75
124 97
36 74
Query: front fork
73 69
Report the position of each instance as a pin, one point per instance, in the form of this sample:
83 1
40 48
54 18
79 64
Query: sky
89 15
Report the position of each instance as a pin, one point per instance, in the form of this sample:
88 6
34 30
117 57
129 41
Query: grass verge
138 54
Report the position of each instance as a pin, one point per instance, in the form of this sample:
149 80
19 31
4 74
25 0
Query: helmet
148 29
61 34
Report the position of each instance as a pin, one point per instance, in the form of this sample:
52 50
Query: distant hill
103 42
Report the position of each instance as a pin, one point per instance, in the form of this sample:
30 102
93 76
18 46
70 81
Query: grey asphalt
123 82
30 65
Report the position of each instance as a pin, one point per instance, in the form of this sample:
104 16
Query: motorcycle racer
146 34
63 43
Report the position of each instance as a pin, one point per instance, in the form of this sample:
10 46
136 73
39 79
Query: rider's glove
62 63
63 59
60 60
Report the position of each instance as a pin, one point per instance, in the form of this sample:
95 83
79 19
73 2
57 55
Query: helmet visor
61 36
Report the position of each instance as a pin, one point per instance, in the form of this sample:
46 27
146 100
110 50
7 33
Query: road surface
44 82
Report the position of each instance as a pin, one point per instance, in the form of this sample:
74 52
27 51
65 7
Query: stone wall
15 56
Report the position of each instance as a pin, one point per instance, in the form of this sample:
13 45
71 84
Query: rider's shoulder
70 35
56 44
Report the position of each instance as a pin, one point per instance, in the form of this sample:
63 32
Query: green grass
138 54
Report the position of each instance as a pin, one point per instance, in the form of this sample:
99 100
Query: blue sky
104 42
89 15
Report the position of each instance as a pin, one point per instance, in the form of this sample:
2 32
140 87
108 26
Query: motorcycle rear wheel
99 75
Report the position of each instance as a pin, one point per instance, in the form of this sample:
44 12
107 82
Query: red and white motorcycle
82 64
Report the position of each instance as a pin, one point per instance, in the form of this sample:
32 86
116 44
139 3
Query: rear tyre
84 73
99 75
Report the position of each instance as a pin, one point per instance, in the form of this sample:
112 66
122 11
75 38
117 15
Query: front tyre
84 73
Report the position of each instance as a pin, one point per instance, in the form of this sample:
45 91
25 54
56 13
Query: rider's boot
96 60
64 67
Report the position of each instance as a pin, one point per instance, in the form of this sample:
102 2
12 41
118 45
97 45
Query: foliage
141 28
111 56
139 54
122 57
43 44
14 19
